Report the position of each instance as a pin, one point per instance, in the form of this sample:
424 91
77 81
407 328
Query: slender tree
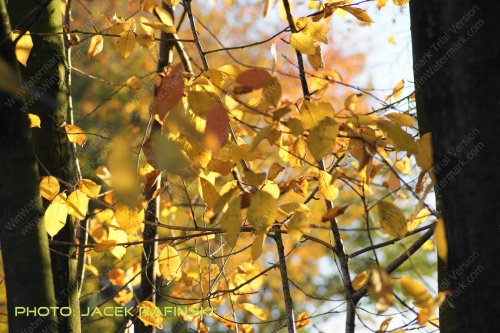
25 248
46 69
457 80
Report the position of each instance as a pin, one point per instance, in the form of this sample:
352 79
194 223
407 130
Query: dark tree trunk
457 78
46 72
25 249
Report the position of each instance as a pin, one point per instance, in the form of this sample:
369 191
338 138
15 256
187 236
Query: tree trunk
25 249
46 72
457 79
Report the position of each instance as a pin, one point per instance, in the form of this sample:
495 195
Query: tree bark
46 72
457 79
25 249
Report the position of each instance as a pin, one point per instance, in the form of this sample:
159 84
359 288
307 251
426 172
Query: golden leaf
299 224
208 193
134 83
400 2
88 187
129 219
148 5
262 211
272 90
398 90
329 191
402 119
56 214
120 236
76 134
384 325
145 40
302 320
169 29
49 187
440 238
415 290
106 245
257 244
150 314
274 171
360 280
77 204
126 43
322 138
34 120
170 262
255 310
418 220
96 46
333 213
392 219
303 43
231 222
316 59
400 139
23 46
360 14
380 288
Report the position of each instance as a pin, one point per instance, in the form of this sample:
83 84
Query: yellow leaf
146 41
120 236
428 245
391 40
322 138
303 43
128 218
329 191
245 328
126 43
440 238
49 187
398 90
230 71
134 83
419 219
231 222
380 288
350 102
424 152
34 120
170 262
103 173
23 46
148 5
402 119
202 102
316 59
77 204
76 134
88 187
272 90
394 182
262 211
299 224
360 14
257 244
414 290
106 245
317 31
282 10
400 139
360 280
171 3
208 193
400 2
150 314
384 325
392 219
271 188
55 215
169 29
274 171
297 152
381 3
255 310
333 213
95 47
164 15
302 320
313 113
